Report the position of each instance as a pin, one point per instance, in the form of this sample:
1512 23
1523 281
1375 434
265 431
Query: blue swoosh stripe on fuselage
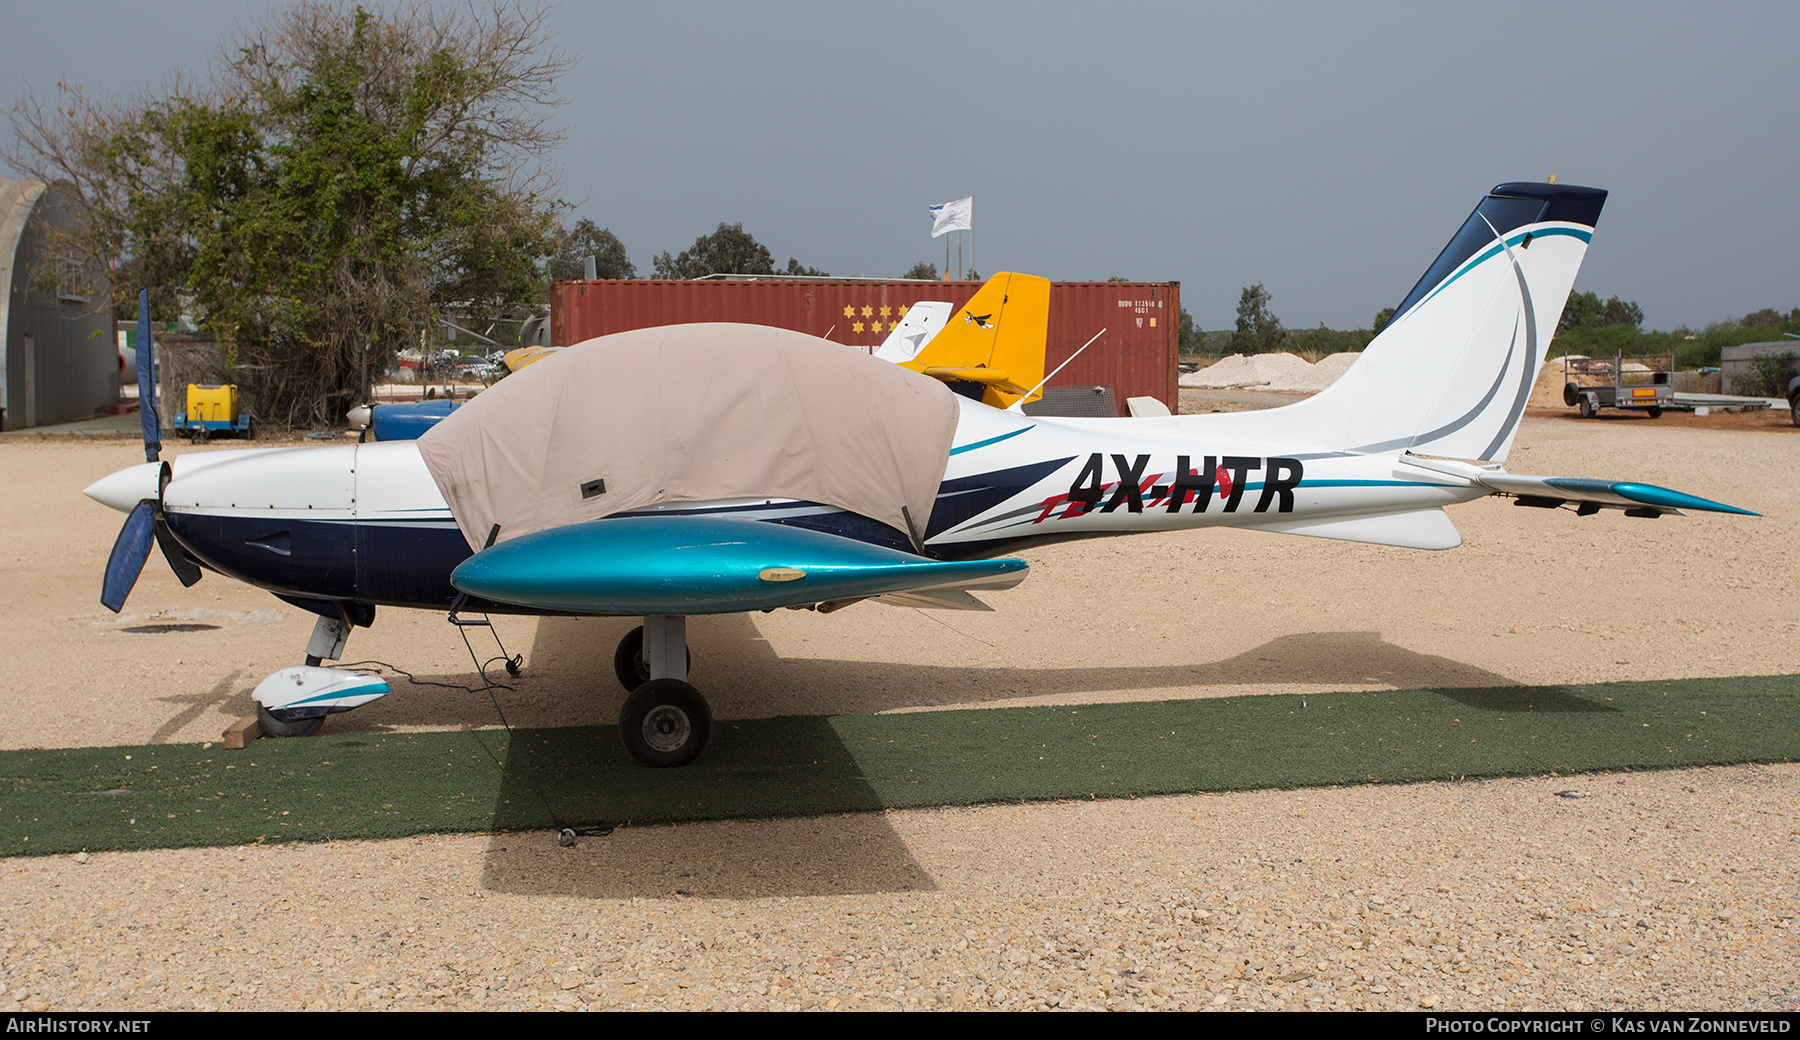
1364 483
1249 486
1494 250
990 440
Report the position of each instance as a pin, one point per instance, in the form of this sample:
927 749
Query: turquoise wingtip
1651 495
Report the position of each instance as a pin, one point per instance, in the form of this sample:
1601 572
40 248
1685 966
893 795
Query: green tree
585 239
729 250
923 271
1193 341
1319 341
1621 312
1258 330
1587 311
1382 317
795 267
1768 317
1581 311
338 182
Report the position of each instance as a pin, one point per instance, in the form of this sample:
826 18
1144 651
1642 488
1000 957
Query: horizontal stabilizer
704 565
1409 529
985 376
1594 495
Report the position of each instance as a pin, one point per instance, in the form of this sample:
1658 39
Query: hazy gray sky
1327 151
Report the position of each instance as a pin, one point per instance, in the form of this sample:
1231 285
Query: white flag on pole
953 216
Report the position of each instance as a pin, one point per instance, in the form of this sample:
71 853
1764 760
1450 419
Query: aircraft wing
683 565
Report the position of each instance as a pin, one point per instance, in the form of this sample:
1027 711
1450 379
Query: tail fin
995 340
919 326
1450 374
520 357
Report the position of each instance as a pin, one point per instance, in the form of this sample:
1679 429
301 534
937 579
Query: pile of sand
1240 371
1547 391
1270 371
1317 377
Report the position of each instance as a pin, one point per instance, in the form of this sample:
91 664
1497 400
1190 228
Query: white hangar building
59 359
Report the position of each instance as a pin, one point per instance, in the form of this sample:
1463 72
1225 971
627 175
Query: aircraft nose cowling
126 488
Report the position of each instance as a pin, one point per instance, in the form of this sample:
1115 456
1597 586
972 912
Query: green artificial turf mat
392 785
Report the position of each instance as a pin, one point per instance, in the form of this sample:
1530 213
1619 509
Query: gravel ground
1671 890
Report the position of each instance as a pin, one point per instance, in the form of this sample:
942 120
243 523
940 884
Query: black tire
1571 394
275 727
629 664
1655 413
1794 409
1588 408
665 723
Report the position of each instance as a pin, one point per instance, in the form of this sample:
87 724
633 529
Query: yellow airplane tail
522 356
997 340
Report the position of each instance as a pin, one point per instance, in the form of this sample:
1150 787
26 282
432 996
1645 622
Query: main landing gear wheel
665 722
628 660
275 727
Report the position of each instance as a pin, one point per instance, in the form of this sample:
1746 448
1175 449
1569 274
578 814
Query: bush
1767 376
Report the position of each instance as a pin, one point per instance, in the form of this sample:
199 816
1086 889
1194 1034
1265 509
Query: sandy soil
1673 890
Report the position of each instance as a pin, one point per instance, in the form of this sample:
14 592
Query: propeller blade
184 568
146 360
128 554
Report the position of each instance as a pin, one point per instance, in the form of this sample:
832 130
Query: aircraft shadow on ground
851 854
767 773
774 771
221 697
1525 698
569 679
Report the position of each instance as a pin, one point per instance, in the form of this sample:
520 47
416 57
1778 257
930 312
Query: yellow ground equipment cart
211 410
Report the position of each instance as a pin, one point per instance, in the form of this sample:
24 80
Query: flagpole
956 215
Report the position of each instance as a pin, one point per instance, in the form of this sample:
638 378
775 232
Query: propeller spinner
145 524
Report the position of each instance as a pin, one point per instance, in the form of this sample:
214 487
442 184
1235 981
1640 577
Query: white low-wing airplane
707 469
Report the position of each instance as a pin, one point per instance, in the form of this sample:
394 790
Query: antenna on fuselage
1019 405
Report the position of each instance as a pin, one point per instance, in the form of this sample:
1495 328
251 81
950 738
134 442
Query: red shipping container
1134 358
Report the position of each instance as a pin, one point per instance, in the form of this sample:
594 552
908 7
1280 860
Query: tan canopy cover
692 413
